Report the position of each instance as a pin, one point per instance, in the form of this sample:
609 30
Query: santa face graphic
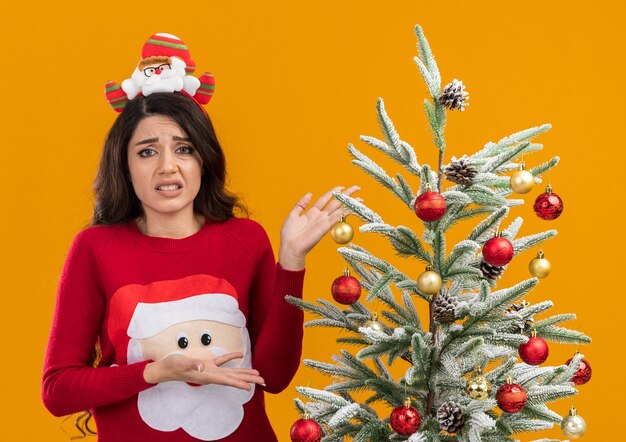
199 339
202 326
160 74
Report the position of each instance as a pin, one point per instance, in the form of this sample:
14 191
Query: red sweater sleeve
70 384
276 327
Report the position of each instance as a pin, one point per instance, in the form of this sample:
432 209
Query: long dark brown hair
115 198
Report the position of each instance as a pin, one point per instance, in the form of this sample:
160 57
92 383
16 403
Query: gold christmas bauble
522 181
478 387
373 324
429 282
573 426
539 267
342 232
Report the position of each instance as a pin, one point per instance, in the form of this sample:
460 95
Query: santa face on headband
197 317
160 74
166 66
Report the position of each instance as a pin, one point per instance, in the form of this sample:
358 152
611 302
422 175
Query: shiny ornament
511 397
405 419
430 206
342 232
573 426
539 267
374 324
535 351
306 430
548 205
478 387
522 181
346 289
498 251
583 373
429 282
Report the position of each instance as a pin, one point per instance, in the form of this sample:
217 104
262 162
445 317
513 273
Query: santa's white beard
207 412
168 81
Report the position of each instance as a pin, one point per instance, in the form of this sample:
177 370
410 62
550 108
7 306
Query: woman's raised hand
303 228
202 371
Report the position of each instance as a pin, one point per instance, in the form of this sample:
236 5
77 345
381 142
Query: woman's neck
170 226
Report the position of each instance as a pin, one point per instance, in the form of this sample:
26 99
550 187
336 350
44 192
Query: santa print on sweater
197 316
145 298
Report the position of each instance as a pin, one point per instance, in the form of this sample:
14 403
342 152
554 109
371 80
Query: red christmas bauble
583 374
430 206
498 251
548 205
405 420
305 430
535 351
511 398
346 289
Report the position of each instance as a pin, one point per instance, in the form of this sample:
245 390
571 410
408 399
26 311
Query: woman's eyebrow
154 140
147 141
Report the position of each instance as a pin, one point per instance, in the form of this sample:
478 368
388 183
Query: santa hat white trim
150 319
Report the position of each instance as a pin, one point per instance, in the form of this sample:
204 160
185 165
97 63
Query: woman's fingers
301 205
251 379
335 203
209 371
324 203
227 357
226 376
250 371
334 216
324 199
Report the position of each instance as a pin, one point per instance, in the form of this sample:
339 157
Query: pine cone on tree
445 308
459 171
491 272
521 325
450 417
454 96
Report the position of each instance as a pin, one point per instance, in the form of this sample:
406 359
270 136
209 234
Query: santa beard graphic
169 80
206 412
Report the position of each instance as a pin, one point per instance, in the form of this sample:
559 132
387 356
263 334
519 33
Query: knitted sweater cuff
131 380
289 282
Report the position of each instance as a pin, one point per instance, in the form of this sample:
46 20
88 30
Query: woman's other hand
202 371
303 228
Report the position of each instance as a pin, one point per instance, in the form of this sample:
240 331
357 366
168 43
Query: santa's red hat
140 311
168 45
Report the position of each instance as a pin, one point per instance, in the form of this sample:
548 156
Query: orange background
297 81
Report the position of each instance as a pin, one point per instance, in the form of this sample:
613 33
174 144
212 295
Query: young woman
185 300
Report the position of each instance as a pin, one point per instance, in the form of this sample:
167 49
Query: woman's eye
182 340
205 339
146 153
185 149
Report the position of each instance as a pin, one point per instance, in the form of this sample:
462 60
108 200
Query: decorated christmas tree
473 370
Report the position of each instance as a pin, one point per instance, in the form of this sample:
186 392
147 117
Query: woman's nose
168 163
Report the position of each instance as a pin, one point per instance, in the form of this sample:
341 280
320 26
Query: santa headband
165 66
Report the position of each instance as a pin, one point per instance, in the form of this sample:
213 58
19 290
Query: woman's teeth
170 187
